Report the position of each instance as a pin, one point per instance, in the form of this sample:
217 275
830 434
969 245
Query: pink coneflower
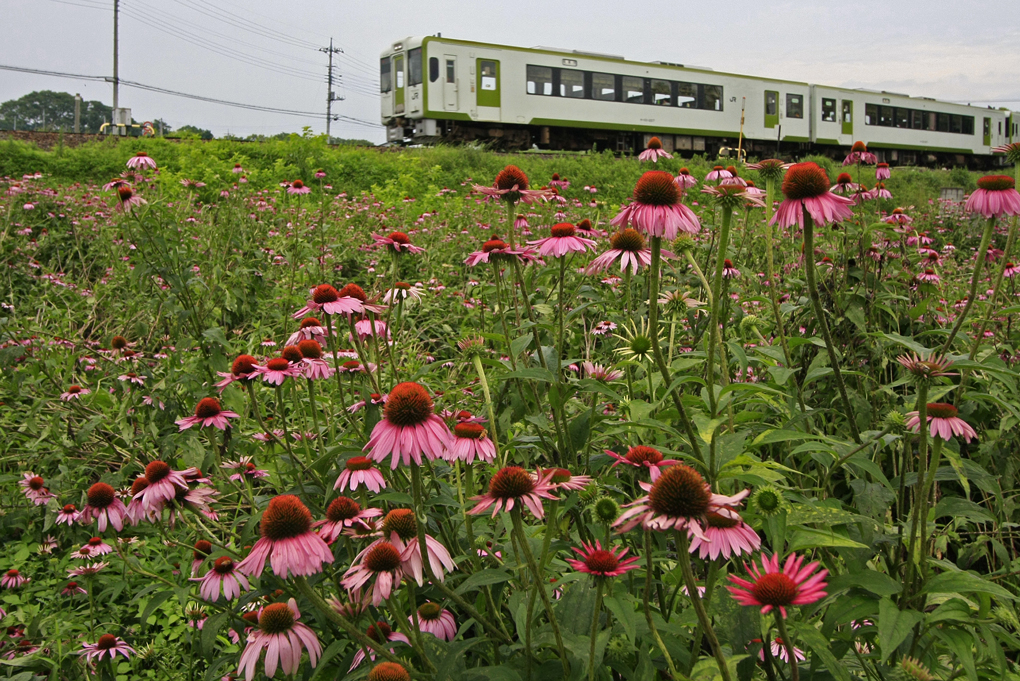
34 488
627 246
351 299
310 329
67 515
396 242
943 421
132 377
729 271
513 485
379 562
408 428
84 553
402 291
128 200
237 169
74 392
654 151
104 506
497 250
778 650
726 537
141 161
1010 270
563 240
806 187
367 328
996 196
435 620
12 579
202 550
287 541
928 276
359 470
192 184
717 174
298 187
603 328
643 457
684 179
880 192
97 547
208 413
164 483
470 441
511 185
312 364
401 527
343 512
277 370
656 209
775 588
243 368
931 366
136 511
597 372
283 637
222 575
245 468
882 171
72 589
859 154
897 217
679 500
114 183
558 182
845 186
89 570
108 644
380 632
563 479
601 562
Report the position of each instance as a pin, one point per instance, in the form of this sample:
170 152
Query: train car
437 89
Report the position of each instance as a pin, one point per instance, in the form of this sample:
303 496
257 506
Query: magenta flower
380 632
282 637
806 187
601 562
718 174
208 413
558 182
245 468
298 187
97 547
243 368
564 240
278 370
351 299
12 579
34 488
287 541
310 329
943 421
72 589
141 161
402 529
408 428
627 246
778 650
684 179
880 192
513 485
74 392
859 154
379 563
656 209
67 515
654 151
128 200
222 575
104 506
996 196
643 457
882 171
343 512
397 242
164 483
775 588
108 644
496 250
563 479
597 372
726 537
470 441
435 620
359 470
729 271
511 185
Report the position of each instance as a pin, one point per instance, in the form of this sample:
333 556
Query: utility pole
77 113
330 96
116 77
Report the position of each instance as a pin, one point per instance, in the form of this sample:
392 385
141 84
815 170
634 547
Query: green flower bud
605 510
684 243
768 501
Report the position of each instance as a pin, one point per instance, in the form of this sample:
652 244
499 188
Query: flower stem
594 629
929 484
480 370
922 463
781 626
648 609
713 321
986 238
684 558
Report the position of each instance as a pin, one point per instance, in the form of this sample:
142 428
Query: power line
244 24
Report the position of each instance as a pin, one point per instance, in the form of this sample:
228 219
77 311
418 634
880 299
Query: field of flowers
285 411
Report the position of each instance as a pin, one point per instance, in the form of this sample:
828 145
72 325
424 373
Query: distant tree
48 110
192 132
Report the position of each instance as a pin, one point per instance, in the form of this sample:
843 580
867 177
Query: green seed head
768 501
605 510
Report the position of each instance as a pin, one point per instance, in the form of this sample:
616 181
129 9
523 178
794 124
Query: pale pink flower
287 541
343 512
108 644
943 421
806 187
359 470
222 575
408 429
470 441
656 209
996 196
564 240
141 161
208 413
74 392
282 637
432 619
512 486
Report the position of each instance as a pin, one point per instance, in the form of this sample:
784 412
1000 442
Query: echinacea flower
882 171
222 575
717 174
277 370
12 579
67 515
928 276
380 632
729 271
627 246
378 564
995 196
351 299
401 527
98 547
242 368
403 291
898 217
287 541
163 485
497 250
928 367
679 500
309 329
563 479
109 645
558 182
208 413
880 192
511 185
656 209
778 650
806 188
282 637
359 470
726 537
470 441
436 620
74 392
141 161
408 429
89 570
563 240
943 421
773 587
397 242
654 151
343 512
72 589
602 563
1010 270
597 372
298 187
1011 150
859 154
104 506
34 488
845 186
512 486
127 197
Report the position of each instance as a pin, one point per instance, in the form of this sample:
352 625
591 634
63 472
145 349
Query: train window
662 93
451 70
871 114
433 69
902 118
956 124
885 116
848 111
943 122
917 120
571 83
931 122
398 71
414 66
1000 127
488 73
603 86
794 106
829 110
385 84
968 125
987 127
633 90
712 99
540 80
687 95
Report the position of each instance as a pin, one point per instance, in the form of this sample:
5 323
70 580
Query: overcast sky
263 52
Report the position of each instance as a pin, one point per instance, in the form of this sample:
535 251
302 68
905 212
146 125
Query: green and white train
435 89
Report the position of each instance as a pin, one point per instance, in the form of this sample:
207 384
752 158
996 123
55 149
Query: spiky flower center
106 642
402 285
656 188
358 463
36 483
555 177
680 492
310 349
95 541
469 430
996 183
291 353
429 611
383 557
202 549
224 565
278 364
728 264
244 364
775 589
309 322
563 229
655 143
805 181
941 410
721 521
276 618
401 521
156 471
379 632
399 237
74 389
388 671
607 509
285 517
208 407
118 342
351 365
493 244
297 184
72 585
70 508
100 495
341 509
684 171
561 475
124 192
353 291
409 404
140 483
732 170
510 177
859 146
844 178
601 562
628 239
13 573
324 293
641 345
883 165
584 225
511 482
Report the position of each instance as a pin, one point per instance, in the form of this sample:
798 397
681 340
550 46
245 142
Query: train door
987 132
488 97
398 84
771 108
450 82
847 116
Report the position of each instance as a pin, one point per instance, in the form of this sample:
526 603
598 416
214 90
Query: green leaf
625 615
483 578
819 645
706 426
771 436
501 673
520 344
531 374
808 538
957 507
964 582
876 582
210 630
894 625
156 601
